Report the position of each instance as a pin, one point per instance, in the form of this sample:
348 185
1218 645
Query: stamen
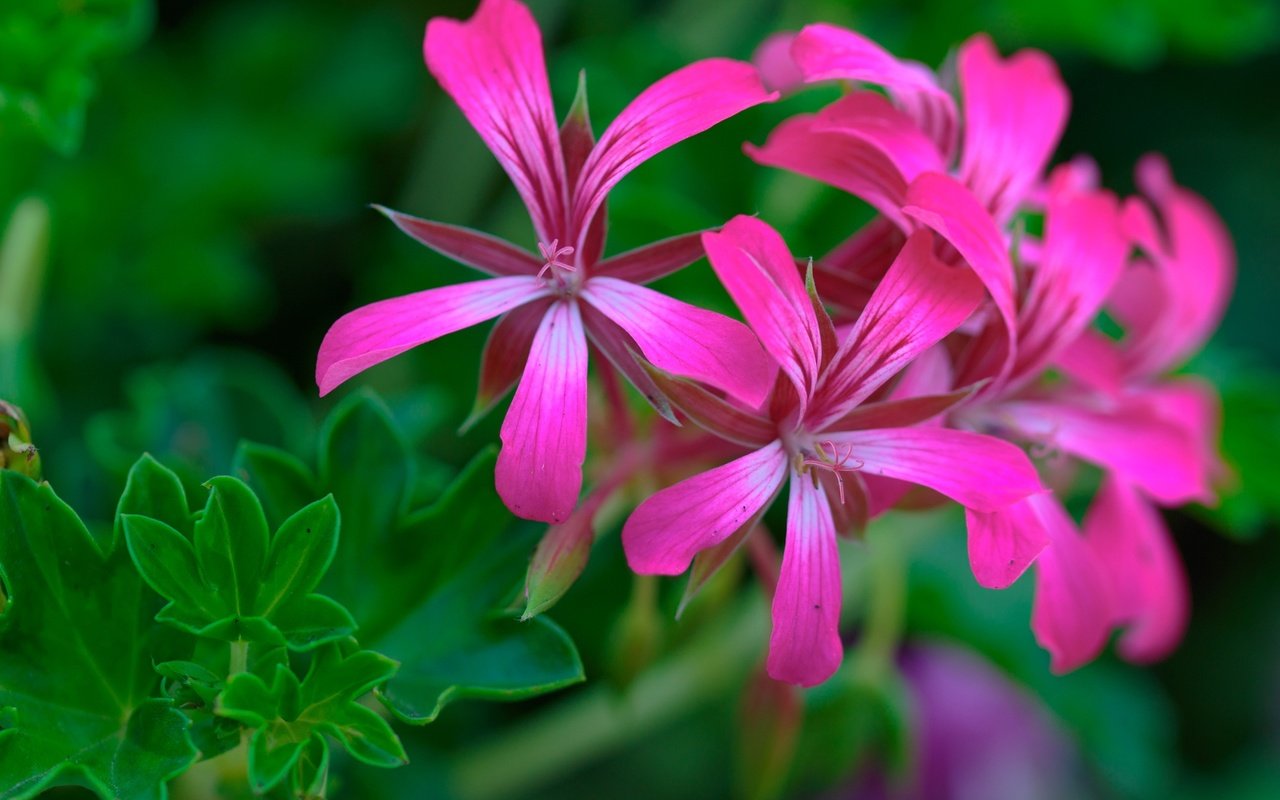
835 461
551 255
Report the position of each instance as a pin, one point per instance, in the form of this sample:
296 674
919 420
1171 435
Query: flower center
830 456
551 258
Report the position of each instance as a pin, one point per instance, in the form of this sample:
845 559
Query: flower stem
239 658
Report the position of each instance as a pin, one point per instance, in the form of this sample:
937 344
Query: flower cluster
928 359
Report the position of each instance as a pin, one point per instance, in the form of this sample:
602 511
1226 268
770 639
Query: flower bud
559 560
16 451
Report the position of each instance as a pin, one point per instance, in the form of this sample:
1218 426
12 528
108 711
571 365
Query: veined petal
544 437
712 413
1125 437
805 646
873 119
825 52
473 248
506 351
901 413
1085 250
1148 587
683 104
1014 114
760 275
685 339
1004 542
493 68
1196 263
951 210
848 275
618 346
801 144
978 472
371 335
657 260
920 301
666 531
1071 614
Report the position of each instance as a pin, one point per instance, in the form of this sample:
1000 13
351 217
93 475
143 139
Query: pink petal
473 248
951 210
371 335
1193 405
1085 250
544 437
620 349
756 268
493 68
848 275
873 119
978 472
1094 361
1148 587
778 70
805 647
685 339
1125 437
1195 260
1014 114
657 260
667 530
712 413
826 52
683 104
1071 615
506 351
803 145
920 301
901 413
1004 542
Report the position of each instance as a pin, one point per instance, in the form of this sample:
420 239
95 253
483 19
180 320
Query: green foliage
227 581
450 567
49 47
291 718
76 682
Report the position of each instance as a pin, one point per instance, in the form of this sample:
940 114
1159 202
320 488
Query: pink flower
818 429
549 304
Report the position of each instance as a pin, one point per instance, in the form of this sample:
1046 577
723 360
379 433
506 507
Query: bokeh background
187 184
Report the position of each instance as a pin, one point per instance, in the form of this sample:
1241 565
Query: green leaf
78 645
300 554
152 490
290 715
283 483
231 544
427 585
235 584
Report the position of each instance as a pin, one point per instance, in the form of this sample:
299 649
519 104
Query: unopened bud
559 560
637 635
17 453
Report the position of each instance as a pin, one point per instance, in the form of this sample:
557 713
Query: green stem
886 603
239 658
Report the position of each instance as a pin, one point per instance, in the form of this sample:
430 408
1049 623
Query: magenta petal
919 302
1071 615
1094 361
1014 113
826 52
778 70
1125 437
1084 252
873 119
760 275
978 472
506 351
805 646
804 145
683 104
951 210
493 68
1004 542
657 260
371 335
712 413
1148 586
473 248
544 437
684 339
668 529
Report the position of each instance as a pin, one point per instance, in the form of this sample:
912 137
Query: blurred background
185 187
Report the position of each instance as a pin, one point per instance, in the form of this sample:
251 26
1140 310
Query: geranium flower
817 429
550 303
